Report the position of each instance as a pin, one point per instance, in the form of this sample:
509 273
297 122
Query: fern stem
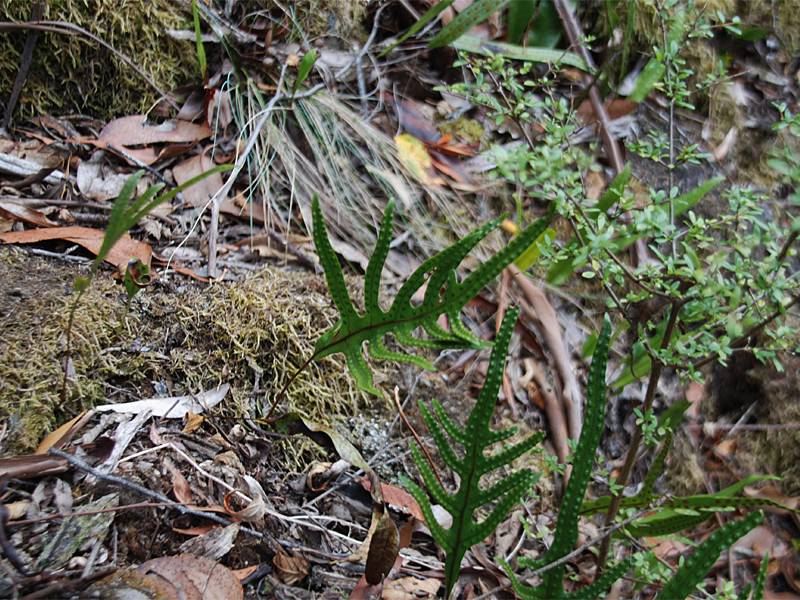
636 442
416 437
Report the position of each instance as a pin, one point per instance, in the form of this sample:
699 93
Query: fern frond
761 579
476 437
444 295
567 527
684 581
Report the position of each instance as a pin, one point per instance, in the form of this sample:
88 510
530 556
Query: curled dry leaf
19 212
383 549
397 498
175 407
290 568
180 487
91 239
254 511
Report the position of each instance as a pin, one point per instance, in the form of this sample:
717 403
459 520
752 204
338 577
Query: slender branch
633 450
416 437
573 29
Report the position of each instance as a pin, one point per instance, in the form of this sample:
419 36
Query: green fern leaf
567 527
761 579
705 555
444 295
475 439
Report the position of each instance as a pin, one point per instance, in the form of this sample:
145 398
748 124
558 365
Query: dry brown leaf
410 588
193 422
63 434
551 328
194 578
242 574
91 239
180 487
17 510
397 498
214 544
595 184
290 568
383 549
201 192
135 131
17 212
196 530
619 107
242 209
254 511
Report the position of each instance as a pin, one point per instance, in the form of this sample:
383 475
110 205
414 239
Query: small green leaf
198 39
647 80
304 68
137 277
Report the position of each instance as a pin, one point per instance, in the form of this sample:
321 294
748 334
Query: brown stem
636 442
416 437
573 29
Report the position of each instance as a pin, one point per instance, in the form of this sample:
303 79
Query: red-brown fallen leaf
397 498
196 530
91 239
193 577
383 549
180 487
135 131
31 216
242 574
619 107
201 192
242 209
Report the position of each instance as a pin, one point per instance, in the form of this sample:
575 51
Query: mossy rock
71 73
168 343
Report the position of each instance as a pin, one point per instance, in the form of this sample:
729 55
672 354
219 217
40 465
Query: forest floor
135 453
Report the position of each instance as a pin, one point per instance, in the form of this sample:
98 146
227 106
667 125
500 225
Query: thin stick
416 437
161 498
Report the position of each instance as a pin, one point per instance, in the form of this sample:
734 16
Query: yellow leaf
416 159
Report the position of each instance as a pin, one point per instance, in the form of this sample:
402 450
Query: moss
781 17
73 74
257 330
775 451
463 129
